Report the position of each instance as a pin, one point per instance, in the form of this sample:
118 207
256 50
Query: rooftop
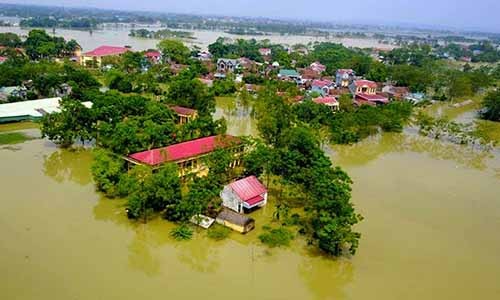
345 71
289 72
234 217
106 51
184 150
248 188
183 110
2 59
322 83
372 98
326 100
368 83
152 54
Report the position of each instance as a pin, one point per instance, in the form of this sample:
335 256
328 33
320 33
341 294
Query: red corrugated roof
372 98
152 54
254 200
325 100
106 50
183 110
368 83
322 83
248 189
184 150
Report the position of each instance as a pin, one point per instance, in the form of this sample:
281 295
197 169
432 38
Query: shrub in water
182 233
218 232
276 237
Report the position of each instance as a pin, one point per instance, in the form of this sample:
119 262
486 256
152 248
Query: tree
491 106
9 39
175 50
107 170
75 121
191 93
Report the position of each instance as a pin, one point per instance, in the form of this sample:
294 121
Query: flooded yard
432 214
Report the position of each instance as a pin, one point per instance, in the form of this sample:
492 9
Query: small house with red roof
318 67
265 51
365 92
330 101
189 155
322 86
153 56
3 59
244 195
344 77
95 56
184 114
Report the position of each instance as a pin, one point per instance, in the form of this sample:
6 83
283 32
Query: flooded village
221 165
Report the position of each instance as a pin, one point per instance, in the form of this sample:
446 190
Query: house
331 102
184 114
204 56
235 221
317 67
265 51
244 194
3 59
94 57
322 86
246 63
13 91
365 92
30 110
288 74
189 155
396 92
415 98
225 65
344 77
62 90
153 56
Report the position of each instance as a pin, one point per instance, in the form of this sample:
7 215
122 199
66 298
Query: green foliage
73 122
491 106
182 233
192 93
13 138
276 237
223 87
218 232
107 170
40 45
152 192
9 39
174 50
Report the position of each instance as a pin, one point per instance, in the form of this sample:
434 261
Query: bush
218 232
276 237
182 233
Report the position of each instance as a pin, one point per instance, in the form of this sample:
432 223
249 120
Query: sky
458 14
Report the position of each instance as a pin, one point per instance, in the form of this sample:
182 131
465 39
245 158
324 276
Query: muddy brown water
432 216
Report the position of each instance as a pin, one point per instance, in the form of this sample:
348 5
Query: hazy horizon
480 16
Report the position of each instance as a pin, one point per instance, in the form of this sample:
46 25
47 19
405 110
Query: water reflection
237 114
140 256
68 165
201 255
374 147
326 278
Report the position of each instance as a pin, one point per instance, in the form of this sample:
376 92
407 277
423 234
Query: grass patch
488 130
13 138
218 232
182 233
276 237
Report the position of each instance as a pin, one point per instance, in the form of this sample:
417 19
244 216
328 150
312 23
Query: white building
244 194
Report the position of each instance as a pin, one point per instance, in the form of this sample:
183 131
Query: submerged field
430 231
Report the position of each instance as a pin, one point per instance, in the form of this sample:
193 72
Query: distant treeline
47 22
161 34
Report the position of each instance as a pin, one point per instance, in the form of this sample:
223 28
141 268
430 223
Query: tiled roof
345 71
106 51
183 110
184 150
290 73
248 188
326 100
372 98
152 54
322 83
368 83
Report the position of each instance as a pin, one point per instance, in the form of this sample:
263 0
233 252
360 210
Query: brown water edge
432 212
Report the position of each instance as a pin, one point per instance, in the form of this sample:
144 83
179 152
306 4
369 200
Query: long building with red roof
95 56
188 155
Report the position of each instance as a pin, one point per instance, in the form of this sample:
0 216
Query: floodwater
432 214
119 37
